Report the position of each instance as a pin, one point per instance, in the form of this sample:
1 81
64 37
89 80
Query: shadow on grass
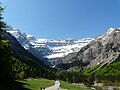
12 85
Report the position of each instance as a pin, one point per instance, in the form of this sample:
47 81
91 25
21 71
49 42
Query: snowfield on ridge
48 48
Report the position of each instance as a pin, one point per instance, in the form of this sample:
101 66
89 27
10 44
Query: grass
35 84
70 86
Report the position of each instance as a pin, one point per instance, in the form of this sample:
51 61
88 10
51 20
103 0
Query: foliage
110 74
89 80
5 53
66 66
89 70
35 84
73 77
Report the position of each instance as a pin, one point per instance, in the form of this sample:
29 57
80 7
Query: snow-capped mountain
48 48
60 48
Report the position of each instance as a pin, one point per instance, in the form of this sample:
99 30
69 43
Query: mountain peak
109 34
104 50
112 30
31 37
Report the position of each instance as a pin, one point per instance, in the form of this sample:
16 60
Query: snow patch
50 48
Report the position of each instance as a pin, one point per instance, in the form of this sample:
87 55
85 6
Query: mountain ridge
101 51
47 48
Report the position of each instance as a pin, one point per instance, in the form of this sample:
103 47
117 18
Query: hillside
98 61
19 51
17 63
101 51
26 57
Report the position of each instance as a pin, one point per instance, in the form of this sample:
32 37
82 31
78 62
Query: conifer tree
4 51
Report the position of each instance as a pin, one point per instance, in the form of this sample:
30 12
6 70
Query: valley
30 63
97 60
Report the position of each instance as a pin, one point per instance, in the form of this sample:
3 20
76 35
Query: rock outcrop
103 50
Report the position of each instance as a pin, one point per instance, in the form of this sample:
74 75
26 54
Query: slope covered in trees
109 75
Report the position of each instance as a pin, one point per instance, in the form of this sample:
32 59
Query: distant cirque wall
54 50
103 50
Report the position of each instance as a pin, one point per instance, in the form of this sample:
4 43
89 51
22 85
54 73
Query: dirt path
53 88
56 86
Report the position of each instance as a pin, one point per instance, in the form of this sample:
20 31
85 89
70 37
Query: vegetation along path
36 84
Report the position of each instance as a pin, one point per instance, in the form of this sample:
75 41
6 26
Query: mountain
31 65
20 52
54 50
104 50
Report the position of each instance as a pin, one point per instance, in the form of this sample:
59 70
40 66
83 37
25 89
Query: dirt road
56 86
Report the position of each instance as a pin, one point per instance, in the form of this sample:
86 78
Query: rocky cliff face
103 50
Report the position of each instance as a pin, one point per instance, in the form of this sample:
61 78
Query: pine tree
2 24
5 53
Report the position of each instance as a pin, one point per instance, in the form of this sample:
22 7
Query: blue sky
60 19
